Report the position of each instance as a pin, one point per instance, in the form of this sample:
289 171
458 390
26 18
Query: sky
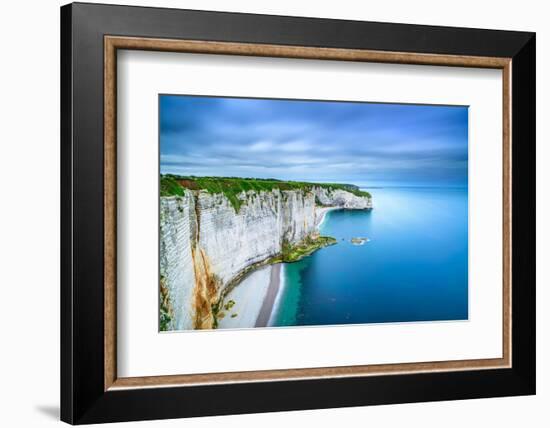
367 144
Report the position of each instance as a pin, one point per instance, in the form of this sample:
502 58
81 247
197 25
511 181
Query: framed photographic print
320 213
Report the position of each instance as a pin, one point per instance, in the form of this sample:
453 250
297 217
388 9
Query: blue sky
367 144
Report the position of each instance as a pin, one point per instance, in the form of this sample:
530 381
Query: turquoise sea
413 268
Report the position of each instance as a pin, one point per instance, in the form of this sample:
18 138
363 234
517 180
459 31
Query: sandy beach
271 295
322 214
254 298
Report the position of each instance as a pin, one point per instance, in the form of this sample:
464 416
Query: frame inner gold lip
112 43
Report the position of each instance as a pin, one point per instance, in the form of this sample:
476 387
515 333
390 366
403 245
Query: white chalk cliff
205 245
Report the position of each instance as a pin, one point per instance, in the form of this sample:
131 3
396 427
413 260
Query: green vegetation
169 186
229 305
293 253
165 319
231 187
165 306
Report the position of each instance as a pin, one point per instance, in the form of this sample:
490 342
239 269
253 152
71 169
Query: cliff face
178 237
205 245
341 198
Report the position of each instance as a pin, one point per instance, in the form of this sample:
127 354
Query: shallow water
413 268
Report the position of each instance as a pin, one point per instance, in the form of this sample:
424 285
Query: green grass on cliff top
174 185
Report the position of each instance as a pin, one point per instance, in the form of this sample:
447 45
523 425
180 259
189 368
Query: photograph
293 213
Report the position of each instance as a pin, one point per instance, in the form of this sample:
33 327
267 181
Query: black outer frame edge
524 213
300 31
66 306
82 397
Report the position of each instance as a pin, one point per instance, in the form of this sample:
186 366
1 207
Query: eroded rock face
341 198
178 226
205 244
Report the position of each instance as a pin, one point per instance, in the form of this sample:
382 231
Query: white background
29 229
140 345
